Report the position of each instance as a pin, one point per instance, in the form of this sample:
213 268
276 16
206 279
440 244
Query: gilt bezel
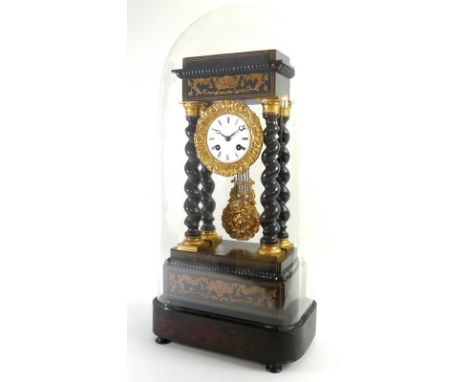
214 111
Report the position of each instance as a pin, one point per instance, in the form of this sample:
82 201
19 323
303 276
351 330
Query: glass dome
250 28
239 36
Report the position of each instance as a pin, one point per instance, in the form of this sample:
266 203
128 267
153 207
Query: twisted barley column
271 208
207 201
208 205
283 177
191 205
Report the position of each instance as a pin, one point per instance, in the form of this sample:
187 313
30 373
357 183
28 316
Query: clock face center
228 138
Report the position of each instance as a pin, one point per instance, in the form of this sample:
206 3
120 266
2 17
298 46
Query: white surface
80 174
386 130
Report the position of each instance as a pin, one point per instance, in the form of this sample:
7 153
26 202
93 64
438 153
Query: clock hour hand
220 133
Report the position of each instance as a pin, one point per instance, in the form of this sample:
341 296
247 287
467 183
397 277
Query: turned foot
162 340
273 368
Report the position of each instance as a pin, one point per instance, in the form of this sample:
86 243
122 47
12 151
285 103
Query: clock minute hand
237 131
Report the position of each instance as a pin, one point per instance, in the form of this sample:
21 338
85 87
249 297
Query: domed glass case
231 274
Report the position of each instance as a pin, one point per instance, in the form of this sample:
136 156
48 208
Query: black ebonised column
283 177
208 204
193 241
271 208
193 180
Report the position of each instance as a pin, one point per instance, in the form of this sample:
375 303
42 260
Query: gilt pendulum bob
236 296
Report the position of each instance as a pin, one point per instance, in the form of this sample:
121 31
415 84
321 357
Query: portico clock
236 295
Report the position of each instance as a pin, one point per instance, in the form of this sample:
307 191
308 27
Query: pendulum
240 218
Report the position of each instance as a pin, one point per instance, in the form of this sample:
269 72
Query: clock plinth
286 245
194 244
271 345
236 302
212 238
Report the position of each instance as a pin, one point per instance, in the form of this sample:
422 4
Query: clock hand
220 133
242 128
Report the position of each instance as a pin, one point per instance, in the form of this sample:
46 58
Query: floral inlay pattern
235 84
222 291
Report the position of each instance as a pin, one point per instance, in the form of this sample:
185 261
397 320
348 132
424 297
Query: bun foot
273 368
162 340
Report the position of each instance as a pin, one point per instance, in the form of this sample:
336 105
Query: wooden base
268 344
234 281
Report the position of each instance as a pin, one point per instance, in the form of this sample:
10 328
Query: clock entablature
246 76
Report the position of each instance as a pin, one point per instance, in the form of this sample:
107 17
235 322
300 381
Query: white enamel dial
228 138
